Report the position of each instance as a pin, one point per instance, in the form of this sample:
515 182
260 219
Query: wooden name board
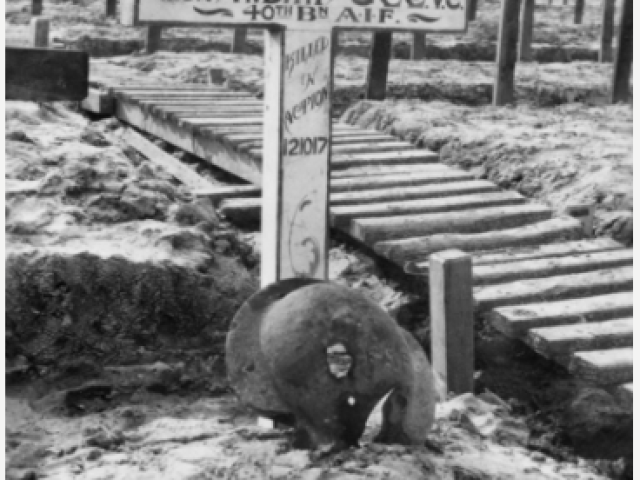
413 15
44 75
297 102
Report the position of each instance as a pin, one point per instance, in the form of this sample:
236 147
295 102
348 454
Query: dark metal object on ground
328 355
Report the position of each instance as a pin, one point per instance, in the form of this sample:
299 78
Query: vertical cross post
379 66
472 10
503 91
40 32
418 47
451 300
606 31
296 152
153 35
110 10
579 12
239 40
525 52
620 91
36 7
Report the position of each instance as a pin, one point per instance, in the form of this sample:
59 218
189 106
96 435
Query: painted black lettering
386 13
347 15
306 14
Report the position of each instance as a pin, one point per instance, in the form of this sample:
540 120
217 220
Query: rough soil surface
108 259
567 155
110 430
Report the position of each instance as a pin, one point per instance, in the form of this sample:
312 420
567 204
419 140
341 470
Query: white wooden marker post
297 106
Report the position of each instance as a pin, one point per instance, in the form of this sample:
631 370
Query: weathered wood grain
399 180
504 86
343 215
516 321
412 193
563 340
373 230
452 329
415 249
532 252
604 367
621 89
547 267
597 282
376 87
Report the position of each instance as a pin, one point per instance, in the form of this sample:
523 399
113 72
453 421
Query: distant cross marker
297 101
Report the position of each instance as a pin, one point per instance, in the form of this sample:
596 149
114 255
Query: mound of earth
108 259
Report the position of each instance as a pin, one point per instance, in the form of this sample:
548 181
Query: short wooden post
503 91
451 299
606 31
216 76
525 52
110 10
419 47
472 10
379 66
239 40
40 32
620 91
153 35
36 7
585 213
579 12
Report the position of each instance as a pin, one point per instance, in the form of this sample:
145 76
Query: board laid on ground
536 278
296 120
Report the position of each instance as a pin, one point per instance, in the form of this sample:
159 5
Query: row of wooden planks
534 276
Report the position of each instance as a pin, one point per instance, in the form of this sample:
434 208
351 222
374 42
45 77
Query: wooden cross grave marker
297 101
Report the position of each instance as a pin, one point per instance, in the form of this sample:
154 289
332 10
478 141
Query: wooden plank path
535 276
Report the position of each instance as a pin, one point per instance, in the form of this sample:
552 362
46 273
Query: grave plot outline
298 84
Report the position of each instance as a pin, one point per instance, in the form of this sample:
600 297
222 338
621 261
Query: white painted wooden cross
297 101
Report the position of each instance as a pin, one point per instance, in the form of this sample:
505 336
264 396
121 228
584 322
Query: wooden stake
585 214
451 298
36 7
40 32
503 92
379 66
624 56
111 8
153 36
579 12
216 76
418 48
239 40
472 10
525 53
606 31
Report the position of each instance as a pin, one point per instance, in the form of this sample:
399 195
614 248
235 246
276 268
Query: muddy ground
120 285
